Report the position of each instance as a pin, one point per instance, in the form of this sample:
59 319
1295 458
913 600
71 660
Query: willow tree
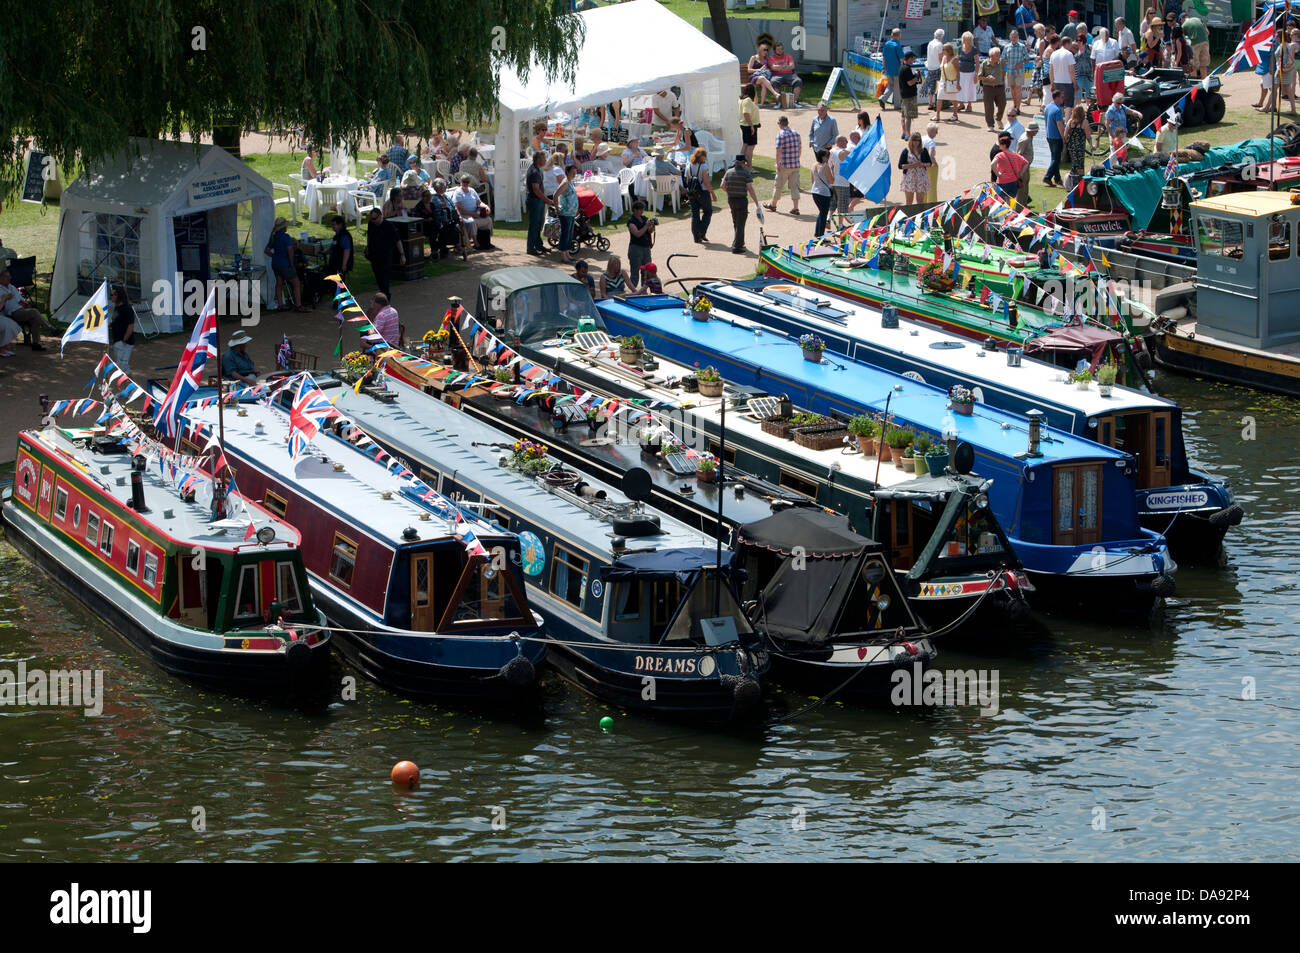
82 76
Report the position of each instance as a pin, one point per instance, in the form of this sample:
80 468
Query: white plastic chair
299 194
443 169
364 201
665 186
286 199
716 148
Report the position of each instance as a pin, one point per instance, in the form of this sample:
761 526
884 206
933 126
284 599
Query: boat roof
188 523
656 386
1037 380
988 428
469 450
355 492
518 277
1254 204
821 534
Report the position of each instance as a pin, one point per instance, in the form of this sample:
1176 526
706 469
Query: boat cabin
1248 268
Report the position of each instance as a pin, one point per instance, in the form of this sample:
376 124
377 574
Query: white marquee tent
118 221
616 62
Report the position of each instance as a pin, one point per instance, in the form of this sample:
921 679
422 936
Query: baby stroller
583 233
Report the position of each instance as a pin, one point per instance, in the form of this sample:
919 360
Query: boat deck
1284 352
188 523
469 450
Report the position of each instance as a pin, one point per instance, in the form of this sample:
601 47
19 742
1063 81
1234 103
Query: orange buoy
406 775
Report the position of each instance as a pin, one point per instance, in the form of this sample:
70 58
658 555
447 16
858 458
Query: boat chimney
889 316
617 545
1035 432
990 343
137 484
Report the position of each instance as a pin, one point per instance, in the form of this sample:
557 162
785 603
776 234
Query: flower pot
867 445
631 355
820 437
1106 389
702 315
706 476
710 388
919 466
966 409
937 463
883 449
908 464
1082 385
811 355
777 427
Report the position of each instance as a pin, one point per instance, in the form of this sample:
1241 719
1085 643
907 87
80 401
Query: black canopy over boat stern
816 581
535 304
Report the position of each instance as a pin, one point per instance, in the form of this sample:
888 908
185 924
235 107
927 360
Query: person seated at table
236 365
385 319
470 207
413 164
781 64
554 174
459 150
583 273
308 170
442 228
761 75
473 166
394 205
581 153
412 186
600 153
379 181
633 155
683 138
398 153
614 280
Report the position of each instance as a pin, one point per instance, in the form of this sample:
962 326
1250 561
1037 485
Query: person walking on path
824 130
992 79
699 192
121 332
1015 56
535 186
641 238
892 55
738 183
788 148
821 190
1054 118
908 82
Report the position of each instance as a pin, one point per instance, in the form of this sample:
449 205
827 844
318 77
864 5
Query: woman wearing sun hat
281 249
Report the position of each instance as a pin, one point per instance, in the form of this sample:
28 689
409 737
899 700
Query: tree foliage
82 76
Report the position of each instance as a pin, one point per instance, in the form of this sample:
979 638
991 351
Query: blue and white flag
91 322
868 165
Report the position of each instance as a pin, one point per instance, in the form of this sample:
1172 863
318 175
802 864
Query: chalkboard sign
34 180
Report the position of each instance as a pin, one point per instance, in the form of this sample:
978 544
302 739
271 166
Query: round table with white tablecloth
331 193
607 189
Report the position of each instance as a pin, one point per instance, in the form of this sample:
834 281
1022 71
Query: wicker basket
778 427
821 437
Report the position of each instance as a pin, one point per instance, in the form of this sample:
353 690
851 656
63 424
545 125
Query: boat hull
300 672
1201 358
849 680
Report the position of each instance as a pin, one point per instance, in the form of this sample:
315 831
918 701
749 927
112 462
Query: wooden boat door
422 614
193 591
901 538
1076 504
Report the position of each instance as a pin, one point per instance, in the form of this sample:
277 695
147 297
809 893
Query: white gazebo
629 49
157 210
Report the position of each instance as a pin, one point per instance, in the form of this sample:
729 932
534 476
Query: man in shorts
908 82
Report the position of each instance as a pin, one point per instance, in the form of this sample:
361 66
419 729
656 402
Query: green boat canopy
1139 192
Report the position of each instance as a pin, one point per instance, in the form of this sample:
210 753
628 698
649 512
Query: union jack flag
310 409
189 373
1171 168
1257 40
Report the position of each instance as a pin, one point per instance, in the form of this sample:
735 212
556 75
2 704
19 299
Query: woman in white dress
968 62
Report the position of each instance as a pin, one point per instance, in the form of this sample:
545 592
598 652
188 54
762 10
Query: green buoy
607 724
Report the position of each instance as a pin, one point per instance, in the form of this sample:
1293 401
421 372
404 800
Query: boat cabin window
911 523
1222 237
92 529
76 516
343 559
106 539
972 534
1279 238
430 477
150 577
700 605
874 603
488 596
665 597
132 557
286 587
800 485
729 458
248 601
1076 504
569 577
1146 435
60 503
276 504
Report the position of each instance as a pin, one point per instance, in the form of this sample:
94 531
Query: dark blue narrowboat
1191 508
1068 505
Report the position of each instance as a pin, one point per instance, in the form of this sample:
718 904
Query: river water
1110 743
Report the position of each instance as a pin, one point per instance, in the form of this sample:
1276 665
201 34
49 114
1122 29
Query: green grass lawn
694 11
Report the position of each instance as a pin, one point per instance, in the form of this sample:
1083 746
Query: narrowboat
1192 509
223 602
1068 505
1239 321
763 471
427 597
641 611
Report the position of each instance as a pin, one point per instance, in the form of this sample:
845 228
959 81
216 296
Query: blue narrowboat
1191 508
419 608
1068 505
641 611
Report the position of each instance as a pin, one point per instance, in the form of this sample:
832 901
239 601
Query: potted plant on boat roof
529 457
936 458
595 417
920 446
931 276
709 382
812 347
908 459
503 375
631 348
899 439
1106 379
437 345
701 307
818 432
962 399
1081 378
356 365
706 469
650 440
864 428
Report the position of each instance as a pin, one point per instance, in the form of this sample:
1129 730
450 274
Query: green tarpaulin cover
1139 192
